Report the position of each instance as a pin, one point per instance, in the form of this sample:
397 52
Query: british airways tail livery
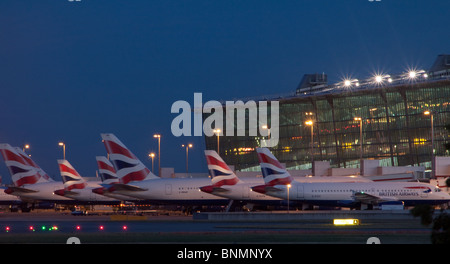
226 184
77 188
42 174
128 167
23 170
71 178
273 172
106 170
137 181
31 183
219 171
109 178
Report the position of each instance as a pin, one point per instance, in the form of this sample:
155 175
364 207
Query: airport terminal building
386 115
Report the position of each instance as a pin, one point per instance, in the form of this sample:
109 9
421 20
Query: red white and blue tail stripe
106 170
128 167
71 178
23 170
273 172
220 173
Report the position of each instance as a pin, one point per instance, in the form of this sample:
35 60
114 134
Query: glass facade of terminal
395 129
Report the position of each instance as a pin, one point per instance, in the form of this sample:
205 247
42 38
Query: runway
56 227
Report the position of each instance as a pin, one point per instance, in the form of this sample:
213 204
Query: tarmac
325 215
308 227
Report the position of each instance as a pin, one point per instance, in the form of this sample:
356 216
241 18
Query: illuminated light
357 84
124 227
309 123
345 222
425 75
7 229
389 80
378 78
347 83
43 228
286 149
31 228
101 227
243 151
347 145
420 141
78 227
412 74
426 112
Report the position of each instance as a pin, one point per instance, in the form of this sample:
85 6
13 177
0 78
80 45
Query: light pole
158 136
360 138
288 187
62 144
26 146
152 155
430 113
217 132
187 156
311 123
268 131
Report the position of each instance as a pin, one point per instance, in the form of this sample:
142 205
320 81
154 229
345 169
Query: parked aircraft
108 175
279 183
136 180
77 188
8 199
226 184
30 182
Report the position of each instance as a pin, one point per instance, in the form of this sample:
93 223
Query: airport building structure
384 116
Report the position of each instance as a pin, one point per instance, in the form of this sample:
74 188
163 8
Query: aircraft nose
8 191
259 189
207 189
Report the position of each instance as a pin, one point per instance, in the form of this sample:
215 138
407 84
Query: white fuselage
242 190
43 192
86 194
340 194
8 198
175 191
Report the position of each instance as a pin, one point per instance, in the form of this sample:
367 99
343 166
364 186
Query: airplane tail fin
42 174
106 169
273 172
71 178
220 172
22 169
128 166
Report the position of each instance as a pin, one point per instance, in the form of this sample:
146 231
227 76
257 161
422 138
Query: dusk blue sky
72 70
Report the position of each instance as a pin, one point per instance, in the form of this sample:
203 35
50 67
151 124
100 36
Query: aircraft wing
70 193
366 198
219 190
13 189
272 189
126 187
